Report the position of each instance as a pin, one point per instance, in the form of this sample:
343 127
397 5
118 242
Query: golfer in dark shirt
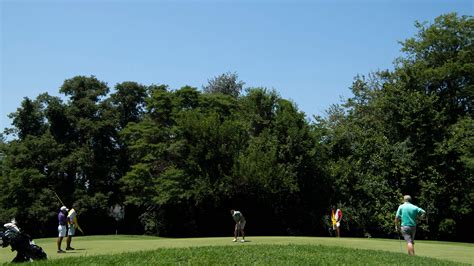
62 227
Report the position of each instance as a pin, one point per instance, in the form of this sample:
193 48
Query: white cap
63 208
12 226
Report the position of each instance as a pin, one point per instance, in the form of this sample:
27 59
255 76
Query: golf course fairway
112 244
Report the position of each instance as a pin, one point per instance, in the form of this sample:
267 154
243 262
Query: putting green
95 245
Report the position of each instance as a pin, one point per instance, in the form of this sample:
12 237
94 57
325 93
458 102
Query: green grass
253 254
259 250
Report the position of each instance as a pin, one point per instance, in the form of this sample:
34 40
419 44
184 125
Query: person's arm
421 213
398 214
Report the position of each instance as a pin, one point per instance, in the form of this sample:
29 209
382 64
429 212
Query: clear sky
309 51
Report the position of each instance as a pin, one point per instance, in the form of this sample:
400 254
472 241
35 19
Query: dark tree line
175 161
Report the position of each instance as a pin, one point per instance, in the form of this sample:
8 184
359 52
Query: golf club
238 233
58 198
400 241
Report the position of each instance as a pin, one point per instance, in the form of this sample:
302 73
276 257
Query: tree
226 83
129 101
439 61
386 140
28 119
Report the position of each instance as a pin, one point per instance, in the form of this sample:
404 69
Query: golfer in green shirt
408 213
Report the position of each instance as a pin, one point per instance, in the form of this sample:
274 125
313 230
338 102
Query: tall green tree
387 137
28 119
227 83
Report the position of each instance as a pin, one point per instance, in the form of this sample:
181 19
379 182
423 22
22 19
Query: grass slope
106 245
255 255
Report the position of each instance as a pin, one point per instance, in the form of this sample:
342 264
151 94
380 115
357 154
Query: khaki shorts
408 233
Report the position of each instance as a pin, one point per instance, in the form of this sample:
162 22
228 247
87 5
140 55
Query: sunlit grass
253 254
90 246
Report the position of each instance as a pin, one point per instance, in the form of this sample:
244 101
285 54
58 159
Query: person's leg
61 235
409 235
68 242
411 248
235 232
338 230
59 241
71 232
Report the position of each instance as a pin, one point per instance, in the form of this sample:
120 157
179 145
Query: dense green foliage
255 255
178 160
410 131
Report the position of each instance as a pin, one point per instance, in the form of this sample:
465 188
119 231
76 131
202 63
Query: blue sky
309 51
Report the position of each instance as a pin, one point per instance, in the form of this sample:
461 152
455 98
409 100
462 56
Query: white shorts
337 225
71 231
61 230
